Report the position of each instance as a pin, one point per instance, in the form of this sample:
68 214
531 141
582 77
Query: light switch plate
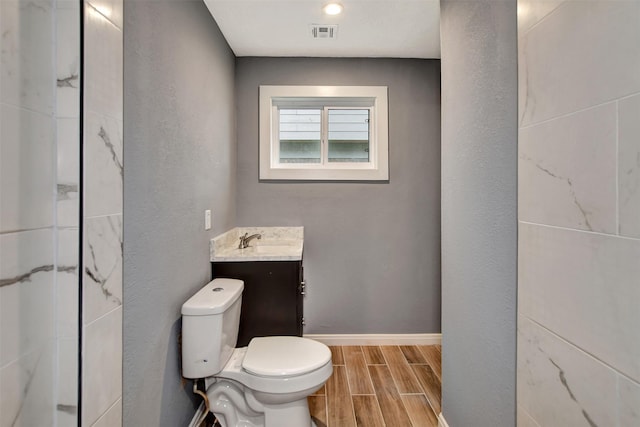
207 219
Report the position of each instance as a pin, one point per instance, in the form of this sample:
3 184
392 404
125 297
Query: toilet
263 384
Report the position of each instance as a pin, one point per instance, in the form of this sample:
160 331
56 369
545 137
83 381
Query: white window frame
326 97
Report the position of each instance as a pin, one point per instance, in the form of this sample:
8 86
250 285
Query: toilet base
228 403
292 414
235 406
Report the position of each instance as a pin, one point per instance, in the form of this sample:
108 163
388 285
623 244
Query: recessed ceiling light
332 8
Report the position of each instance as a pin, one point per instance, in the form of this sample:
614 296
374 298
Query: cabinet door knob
303 286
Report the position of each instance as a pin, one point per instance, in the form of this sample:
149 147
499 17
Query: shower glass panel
39 212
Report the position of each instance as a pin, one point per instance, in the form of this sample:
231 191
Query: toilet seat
276 384
284 356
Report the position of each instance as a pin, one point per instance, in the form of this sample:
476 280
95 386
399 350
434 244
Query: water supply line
205 399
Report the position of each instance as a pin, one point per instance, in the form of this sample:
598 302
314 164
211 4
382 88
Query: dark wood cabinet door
271 300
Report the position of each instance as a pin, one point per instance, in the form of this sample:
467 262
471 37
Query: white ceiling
366 28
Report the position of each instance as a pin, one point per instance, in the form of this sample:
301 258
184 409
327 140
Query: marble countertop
276 244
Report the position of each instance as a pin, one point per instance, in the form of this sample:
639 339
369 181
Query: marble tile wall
27 334
28 346
103 186
39 221
579 213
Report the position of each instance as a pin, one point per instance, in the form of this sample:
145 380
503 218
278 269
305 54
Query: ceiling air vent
323 31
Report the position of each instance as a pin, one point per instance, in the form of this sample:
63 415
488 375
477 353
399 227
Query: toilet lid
284 356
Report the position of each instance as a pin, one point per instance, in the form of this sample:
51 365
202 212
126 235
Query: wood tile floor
378 386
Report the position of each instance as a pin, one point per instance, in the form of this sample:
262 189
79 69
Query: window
324 133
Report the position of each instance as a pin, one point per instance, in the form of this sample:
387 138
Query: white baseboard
199 413
377 339
441 421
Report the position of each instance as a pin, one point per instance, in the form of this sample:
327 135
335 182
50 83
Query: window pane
348 135
300 136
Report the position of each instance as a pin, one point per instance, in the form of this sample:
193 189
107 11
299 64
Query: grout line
426 396
437 376
326 403
346 372
51 115
27 230
387 364
567 115
50 341
338 348
427 359
366 368
373 386
418 380
384 423
90 3
375 395
102 115
429 407
631 95
542 19
103 316
405 408
580 349
597 233
411 371
528 414
424 356
104 215
424 391
107 410
396 384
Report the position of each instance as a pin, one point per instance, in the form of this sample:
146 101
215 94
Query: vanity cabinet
272 297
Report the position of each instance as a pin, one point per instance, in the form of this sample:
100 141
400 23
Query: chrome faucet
244 240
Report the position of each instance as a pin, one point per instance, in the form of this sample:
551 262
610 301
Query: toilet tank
210 321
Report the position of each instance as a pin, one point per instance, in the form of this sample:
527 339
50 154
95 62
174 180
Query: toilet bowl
264 384
277 391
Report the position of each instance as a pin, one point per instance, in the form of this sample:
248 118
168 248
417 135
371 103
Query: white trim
441 421
375 170
199 413
377 339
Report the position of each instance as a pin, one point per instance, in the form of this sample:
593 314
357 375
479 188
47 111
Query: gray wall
372 250
180 159
479 229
